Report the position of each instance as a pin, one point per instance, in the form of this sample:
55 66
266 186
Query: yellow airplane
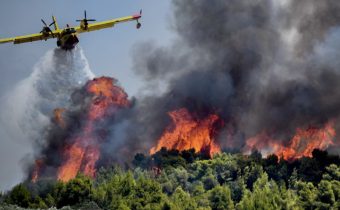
67 38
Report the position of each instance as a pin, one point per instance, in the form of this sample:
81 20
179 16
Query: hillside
187 180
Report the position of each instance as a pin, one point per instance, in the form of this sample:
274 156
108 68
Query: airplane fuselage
68 39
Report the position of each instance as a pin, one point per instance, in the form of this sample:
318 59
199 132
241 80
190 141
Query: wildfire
83 152
302 143
103 98
186 132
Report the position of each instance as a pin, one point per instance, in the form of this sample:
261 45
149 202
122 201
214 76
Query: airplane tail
56 27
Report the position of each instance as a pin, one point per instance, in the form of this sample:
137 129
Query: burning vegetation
301 145
78 139
83 152
245 76
81 132
78 134
186 132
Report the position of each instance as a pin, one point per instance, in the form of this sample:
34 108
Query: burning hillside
245 75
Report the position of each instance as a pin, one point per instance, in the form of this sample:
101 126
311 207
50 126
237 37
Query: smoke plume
261 65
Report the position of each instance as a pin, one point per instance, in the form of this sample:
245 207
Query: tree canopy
188 180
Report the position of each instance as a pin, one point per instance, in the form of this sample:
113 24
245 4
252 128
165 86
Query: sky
108 51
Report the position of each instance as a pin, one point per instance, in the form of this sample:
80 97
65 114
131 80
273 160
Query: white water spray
27 109
54 78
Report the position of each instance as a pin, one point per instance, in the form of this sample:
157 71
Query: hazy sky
108 51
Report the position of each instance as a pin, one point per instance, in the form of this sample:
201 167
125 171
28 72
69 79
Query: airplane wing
106 24
29 38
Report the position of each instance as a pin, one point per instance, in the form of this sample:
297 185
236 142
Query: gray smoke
262 64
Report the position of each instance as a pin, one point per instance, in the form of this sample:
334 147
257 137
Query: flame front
302 143
185 133
83 152
81 148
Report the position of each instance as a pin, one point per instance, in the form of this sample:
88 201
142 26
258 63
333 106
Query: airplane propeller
85 20
47 28
138 23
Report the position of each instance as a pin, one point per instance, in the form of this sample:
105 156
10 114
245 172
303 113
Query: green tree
293 179
115 191
336 190
251 174
220 198
168 158
183 200
38 203
76 191
200 195
325 193
118 202
307 194
310 170
20 196
266 195
147 194
57 193
237 188
50 201
332 173
209 182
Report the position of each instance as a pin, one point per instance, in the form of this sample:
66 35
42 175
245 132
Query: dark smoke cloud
260 64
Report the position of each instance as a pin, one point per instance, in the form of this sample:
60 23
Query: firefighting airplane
67 38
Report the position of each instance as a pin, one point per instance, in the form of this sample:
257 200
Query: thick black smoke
261 64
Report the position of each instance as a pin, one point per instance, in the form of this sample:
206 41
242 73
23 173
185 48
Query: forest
170 179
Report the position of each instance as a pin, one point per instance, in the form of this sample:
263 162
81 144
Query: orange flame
84 152
301 145
35 174
70 168
186 132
